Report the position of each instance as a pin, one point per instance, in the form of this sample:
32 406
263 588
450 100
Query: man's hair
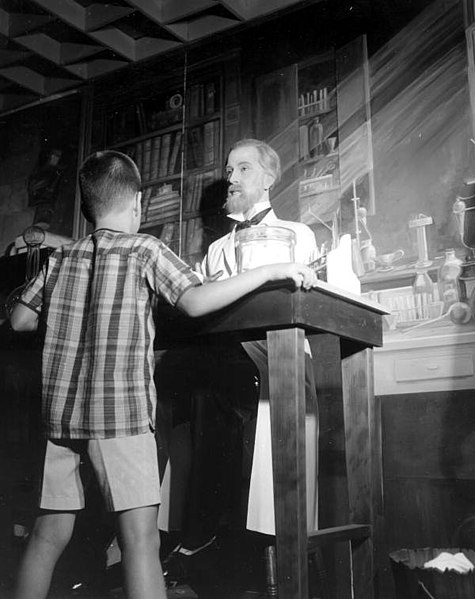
108 180
268 157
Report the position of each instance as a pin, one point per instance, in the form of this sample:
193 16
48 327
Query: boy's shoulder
148 243
109 240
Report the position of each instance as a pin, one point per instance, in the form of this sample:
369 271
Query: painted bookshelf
176 139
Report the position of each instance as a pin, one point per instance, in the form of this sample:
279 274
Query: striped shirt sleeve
32 296
167 275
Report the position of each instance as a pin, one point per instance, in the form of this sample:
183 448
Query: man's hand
206 279
303 276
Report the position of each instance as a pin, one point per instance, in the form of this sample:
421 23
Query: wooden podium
342 329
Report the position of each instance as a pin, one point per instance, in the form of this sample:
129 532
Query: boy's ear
138 201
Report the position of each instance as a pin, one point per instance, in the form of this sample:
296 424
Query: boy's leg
127 473
51 533
140 545
62 496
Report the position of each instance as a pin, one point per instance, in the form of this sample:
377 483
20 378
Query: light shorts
126 469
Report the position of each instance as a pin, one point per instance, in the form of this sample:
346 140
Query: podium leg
362 467
287 408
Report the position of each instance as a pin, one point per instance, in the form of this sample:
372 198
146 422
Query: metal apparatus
464 211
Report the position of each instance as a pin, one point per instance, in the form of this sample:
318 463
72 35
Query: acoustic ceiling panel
51 46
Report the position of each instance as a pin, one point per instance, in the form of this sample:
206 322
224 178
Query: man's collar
259 207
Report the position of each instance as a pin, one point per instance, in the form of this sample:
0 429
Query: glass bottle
448 279
423 289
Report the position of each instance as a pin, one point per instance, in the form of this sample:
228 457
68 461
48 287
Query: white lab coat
221 255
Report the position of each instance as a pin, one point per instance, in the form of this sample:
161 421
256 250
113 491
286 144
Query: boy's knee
52 535
141 541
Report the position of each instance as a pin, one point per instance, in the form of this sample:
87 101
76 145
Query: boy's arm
23 319
201 300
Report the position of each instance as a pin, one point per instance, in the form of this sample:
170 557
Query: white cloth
449 561
221 256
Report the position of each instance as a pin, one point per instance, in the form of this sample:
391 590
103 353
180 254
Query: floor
236 570
89 569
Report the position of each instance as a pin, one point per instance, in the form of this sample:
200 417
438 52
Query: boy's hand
303 276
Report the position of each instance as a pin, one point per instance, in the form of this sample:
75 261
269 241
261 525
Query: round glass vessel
260 245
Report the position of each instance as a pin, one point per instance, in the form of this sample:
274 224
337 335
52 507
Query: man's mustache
232 188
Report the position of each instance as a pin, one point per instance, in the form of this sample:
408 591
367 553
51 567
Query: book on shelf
164 155
146 195
167 232
139 156
158 219
175 156
147 155
164 211
192 192
197 192
197 189
140 118
163 201
209 177
155 204
164 192
196 100
210 97
155 157
303 142
193 235
210 142
196 143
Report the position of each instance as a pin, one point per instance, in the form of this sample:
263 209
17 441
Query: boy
94 299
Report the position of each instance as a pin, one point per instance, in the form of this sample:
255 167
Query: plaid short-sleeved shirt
95 298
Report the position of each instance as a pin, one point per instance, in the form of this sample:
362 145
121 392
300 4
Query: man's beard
241 202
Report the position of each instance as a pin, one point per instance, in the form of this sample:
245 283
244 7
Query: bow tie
255 220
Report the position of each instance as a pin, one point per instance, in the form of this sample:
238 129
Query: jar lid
265 233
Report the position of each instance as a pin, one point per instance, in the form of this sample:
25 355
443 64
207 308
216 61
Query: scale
419 223
464 211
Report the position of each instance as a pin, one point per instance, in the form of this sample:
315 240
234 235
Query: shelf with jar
318 165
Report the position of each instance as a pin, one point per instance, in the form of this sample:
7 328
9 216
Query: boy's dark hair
107 180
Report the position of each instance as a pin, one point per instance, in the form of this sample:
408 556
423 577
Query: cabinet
176 138
439 358
424 383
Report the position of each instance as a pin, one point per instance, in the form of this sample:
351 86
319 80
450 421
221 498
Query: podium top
323 310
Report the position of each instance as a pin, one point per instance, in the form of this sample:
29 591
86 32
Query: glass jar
448 279
260 245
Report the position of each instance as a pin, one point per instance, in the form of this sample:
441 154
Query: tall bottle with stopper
448 279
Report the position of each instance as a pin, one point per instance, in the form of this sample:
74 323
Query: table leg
287 407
